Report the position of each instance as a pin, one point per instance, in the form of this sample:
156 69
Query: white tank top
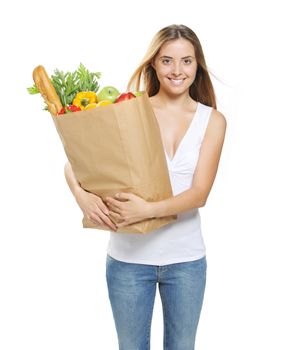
181 240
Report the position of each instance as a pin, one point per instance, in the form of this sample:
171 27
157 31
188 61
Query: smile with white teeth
176 81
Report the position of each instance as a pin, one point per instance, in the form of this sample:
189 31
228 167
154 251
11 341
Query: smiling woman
192 131
174 73
201 90
173 68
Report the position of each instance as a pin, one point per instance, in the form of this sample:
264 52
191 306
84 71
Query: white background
52 271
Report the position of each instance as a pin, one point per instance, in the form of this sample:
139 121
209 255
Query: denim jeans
132 289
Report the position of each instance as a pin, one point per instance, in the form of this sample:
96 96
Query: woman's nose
176 69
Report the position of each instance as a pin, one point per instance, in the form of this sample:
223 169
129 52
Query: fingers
114 205
103 207
108 213
102 213
123 196
116 217
95 219
106 223
100 218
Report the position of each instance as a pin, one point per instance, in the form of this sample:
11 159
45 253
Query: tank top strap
204 113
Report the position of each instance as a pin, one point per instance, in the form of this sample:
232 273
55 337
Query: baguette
47 90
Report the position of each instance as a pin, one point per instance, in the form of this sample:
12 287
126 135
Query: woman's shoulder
216 124
217 118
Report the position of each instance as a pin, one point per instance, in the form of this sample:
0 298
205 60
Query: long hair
201 89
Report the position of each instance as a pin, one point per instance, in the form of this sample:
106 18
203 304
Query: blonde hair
201 90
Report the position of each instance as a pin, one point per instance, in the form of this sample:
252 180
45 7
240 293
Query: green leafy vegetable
68 84
33 90
87 81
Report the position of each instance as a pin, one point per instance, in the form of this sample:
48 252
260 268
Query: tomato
69 109
73 108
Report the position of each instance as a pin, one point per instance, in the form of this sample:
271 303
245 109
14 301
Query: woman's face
176 66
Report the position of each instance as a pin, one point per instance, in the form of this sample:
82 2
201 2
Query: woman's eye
166 61
187 61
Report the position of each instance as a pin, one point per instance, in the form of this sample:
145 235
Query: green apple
109 93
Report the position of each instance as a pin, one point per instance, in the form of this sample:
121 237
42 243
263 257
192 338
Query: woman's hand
94 208
127 208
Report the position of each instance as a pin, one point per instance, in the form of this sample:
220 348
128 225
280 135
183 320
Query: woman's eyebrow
181 57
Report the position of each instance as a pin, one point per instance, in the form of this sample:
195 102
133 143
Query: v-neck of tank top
184 136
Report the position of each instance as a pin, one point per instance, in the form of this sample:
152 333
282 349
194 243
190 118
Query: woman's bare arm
71 180
91 205
204 175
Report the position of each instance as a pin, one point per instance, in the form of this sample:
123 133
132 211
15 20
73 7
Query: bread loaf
47 90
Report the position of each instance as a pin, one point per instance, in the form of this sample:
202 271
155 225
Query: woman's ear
152 64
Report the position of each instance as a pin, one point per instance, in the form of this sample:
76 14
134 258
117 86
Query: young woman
176 78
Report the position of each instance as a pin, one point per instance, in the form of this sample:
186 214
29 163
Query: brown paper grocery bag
118 148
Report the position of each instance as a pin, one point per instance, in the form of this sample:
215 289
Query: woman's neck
163 100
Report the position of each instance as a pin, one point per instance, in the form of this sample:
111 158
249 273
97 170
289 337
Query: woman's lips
176 82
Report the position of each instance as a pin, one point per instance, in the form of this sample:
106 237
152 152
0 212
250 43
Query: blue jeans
132 289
